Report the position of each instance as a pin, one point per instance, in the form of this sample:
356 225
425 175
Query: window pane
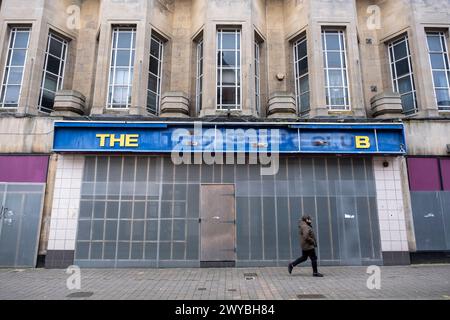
229 77
304 84
443 97
21 40
334 59
154 65
404 85
153 83
15 75
332 41
12 95
229 96
122 77
151 101
402 67
123 58
408 102
119 95
303 66
56 48
335 79
229 41
304 102
302 50
51 82
53 65
228 58
400 51
154 48
18 57
440 79
337 97
48 100
437 62
434 43
124 40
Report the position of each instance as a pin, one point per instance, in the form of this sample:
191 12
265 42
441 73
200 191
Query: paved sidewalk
412 282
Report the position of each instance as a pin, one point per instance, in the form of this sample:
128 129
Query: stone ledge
282 106
69 103
386 105
175 104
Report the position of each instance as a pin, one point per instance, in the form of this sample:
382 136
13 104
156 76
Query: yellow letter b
362 142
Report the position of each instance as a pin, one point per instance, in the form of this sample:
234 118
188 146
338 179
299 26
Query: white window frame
158 76
258 77
62 67
445 58
298 76
199 77
7 69
395 79
219 69
343 70
113 67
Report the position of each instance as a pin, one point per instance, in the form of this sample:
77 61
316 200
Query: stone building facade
264 62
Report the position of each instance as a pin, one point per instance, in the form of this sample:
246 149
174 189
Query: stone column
48 201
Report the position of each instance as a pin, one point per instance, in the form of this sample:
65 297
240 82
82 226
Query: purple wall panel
424 174
445 171
32 169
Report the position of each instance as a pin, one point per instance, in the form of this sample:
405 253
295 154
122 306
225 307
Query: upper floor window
199 78
15 66
301 73
155 75
336 73
121 67
258 76
229 95
53 77
402 73
437 48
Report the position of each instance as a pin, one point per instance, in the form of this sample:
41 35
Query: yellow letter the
132 141
113 140
102 138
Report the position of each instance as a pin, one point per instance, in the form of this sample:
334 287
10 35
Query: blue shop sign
190 137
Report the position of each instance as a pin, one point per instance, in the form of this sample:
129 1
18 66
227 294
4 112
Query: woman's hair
306 217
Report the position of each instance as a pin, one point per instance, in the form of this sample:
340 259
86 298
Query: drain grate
250 276
80 295
254 275
201 289
310 296
232 290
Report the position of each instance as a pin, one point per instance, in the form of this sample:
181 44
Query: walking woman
308 244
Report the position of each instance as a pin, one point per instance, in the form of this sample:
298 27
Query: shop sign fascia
197 137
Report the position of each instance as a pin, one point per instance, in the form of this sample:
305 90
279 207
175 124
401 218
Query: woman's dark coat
307 237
